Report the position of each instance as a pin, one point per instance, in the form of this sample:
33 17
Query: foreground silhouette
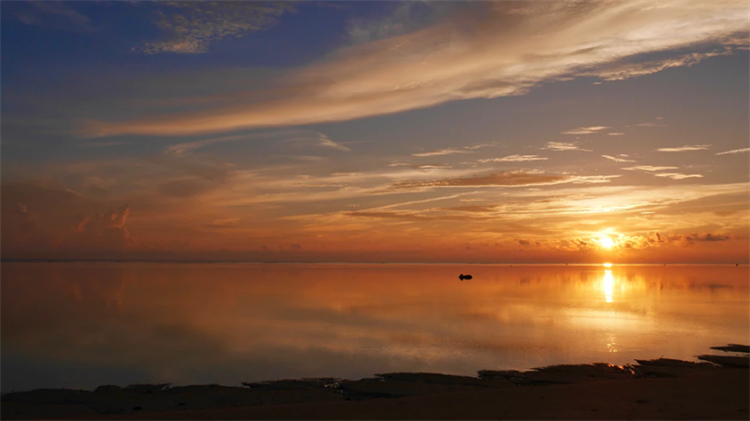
651 389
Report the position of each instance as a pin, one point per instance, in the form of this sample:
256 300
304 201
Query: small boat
462 276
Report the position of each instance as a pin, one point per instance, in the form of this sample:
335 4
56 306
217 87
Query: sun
606 242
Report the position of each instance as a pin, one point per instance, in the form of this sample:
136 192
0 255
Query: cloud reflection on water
187 323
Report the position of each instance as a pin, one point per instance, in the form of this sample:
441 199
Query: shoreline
717 387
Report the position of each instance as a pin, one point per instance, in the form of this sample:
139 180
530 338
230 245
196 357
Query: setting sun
606 242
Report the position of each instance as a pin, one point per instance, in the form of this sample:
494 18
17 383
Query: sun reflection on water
611 344
608 285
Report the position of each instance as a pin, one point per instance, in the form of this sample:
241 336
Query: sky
424 131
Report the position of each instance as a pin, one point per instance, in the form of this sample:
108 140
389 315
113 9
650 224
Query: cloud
586 130
507 179
616 134
473 208
677 176
706 237
439 152
685 148
648 168
612 158
515 158
650 125
621 71
653 169
421 166
182 149
405 18
102 232
54 14
316 138
734 151
450 151
459 214
405 215
483 50
44 220
321 140
328 143
680 239
624 241
514 178
189 27
563 146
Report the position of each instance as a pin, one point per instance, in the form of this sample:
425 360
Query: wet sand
651 389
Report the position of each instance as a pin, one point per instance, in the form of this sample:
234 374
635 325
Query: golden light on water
608 285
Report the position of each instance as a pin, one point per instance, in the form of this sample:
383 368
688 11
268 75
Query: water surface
80 325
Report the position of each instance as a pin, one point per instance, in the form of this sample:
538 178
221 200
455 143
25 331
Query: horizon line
235 261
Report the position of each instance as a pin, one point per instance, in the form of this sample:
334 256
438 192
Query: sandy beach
650 389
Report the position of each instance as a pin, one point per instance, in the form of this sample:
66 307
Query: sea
84 324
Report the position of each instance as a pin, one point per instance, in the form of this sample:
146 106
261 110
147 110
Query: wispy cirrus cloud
389 76
473 208
314 138
586 130
734 151
621 71
649 168
616 134
564 146
182 149
648 124
190 26
616 159
507 179
441 152
404 215
685 148
515 158
421 166
654 170
321 140
677 176
450 151
56 14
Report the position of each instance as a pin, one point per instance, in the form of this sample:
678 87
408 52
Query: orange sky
490 132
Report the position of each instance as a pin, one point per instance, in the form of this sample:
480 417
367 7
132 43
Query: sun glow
606 242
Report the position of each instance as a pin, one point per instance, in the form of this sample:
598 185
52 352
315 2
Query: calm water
85 324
